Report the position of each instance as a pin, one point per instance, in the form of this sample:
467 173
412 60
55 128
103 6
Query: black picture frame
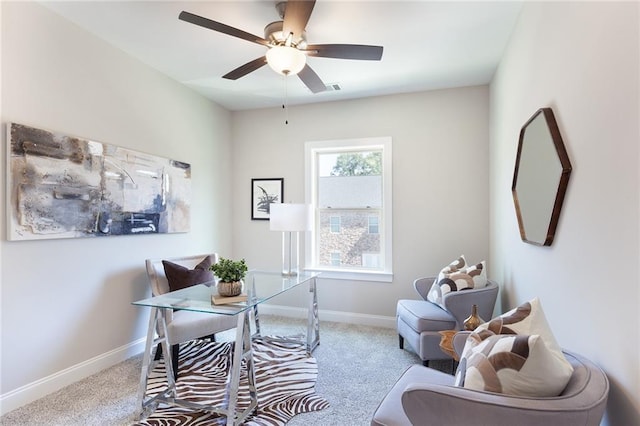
265 191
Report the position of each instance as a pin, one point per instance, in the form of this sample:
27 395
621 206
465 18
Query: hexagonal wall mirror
540 178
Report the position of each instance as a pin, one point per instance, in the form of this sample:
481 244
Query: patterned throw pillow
526 319
458 264
466 278
455 266
180 277
519 365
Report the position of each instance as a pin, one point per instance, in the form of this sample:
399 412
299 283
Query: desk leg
313 321
156 317
242 350
146 361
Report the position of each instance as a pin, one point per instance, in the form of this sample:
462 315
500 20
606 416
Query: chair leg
425 362
401 341
158 354
175 353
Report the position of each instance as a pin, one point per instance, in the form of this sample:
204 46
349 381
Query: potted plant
230 274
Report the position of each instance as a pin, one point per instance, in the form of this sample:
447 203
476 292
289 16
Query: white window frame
386 220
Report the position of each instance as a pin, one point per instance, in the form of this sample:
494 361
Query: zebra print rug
285 379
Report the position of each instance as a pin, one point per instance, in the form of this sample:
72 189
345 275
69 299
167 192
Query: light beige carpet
357 365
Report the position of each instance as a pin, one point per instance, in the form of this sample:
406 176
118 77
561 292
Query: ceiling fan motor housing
273 33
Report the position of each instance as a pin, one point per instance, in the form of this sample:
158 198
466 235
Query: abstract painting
62 186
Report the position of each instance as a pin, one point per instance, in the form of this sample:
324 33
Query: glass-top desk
259 287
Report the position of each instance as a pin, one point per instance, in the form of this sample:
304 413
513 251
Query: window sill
385 277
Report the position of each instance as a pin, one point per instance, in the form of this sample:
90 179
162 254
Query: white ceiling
427 44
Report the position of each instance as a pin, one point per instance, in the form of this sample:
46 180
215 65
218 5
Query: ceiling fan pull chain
285 106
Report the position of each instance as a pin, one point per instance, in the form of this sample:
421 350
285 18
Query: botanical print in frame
263 193
62 186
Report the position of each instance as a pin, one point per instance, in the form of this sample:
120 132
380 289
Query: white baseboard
42 387
333 316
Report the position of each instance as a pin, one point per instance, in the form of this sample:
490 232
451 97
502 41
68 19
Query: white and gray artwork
67 187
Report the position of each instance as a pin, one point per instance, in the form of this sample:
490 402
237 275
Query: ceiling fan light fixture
286 60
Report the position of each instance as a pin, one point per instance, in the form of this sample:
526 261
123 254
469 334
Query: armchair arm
434 404
459 340
459 303
423 285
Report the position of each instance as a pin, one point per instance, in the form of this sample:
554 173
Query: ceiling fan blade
221 28
296 16
311 80
245 69
345 51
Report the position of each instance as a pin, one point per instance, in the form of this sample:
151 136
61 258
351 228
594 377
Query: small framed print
264 192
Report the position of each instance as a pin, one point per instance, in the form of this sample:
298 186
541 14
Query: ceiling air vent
333 87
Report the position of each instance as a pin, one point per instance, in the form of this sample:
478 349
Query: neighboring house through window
334 224
348 183
373 224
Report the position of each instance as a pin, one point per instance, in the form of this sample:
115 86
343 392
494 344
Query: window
334 224
348 183
373 224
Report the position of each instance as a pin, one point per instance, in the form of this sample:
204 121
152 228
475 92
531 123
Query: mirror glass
540 178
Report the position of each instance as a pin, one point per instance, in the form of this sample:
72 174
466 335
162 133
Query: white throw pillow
527 319
514 365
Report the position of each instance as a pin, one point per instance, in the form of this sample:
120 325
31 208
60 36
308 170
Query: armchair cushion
180 277
514 365
423 316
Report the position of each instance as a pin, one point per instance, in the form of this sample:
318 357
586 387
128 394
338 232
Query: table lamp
290 219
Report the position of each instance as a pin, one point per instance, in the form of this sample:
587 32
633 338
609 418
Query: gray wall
581 59
65 304
440 185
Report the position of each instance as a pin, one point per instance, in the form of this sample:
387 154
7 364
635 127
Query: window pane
353 240
350 179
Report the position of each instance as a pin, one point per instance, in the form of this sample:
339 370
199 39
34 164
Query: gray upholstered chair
424 396
420 321
182 325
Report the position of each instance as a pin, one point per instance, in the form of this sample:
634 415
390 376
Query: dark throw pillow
180 277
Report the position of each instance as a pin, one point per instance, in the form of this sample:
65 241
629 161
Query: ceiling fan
287 44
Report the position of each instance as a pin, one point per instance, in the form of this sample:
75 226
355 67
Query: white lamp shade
290 217
286 60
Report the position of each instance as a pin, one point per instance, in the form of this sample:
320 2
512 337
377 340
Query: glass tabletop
259 286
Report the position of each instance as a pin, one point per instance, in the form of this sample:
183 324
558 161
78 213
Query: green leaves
358 164
228 270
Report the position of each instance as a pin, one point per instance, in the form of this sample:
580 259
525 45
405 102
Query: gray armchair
423 396
420 321
183 325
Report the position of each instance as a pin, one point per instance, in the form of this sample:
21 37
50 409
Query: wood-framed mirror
540 178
